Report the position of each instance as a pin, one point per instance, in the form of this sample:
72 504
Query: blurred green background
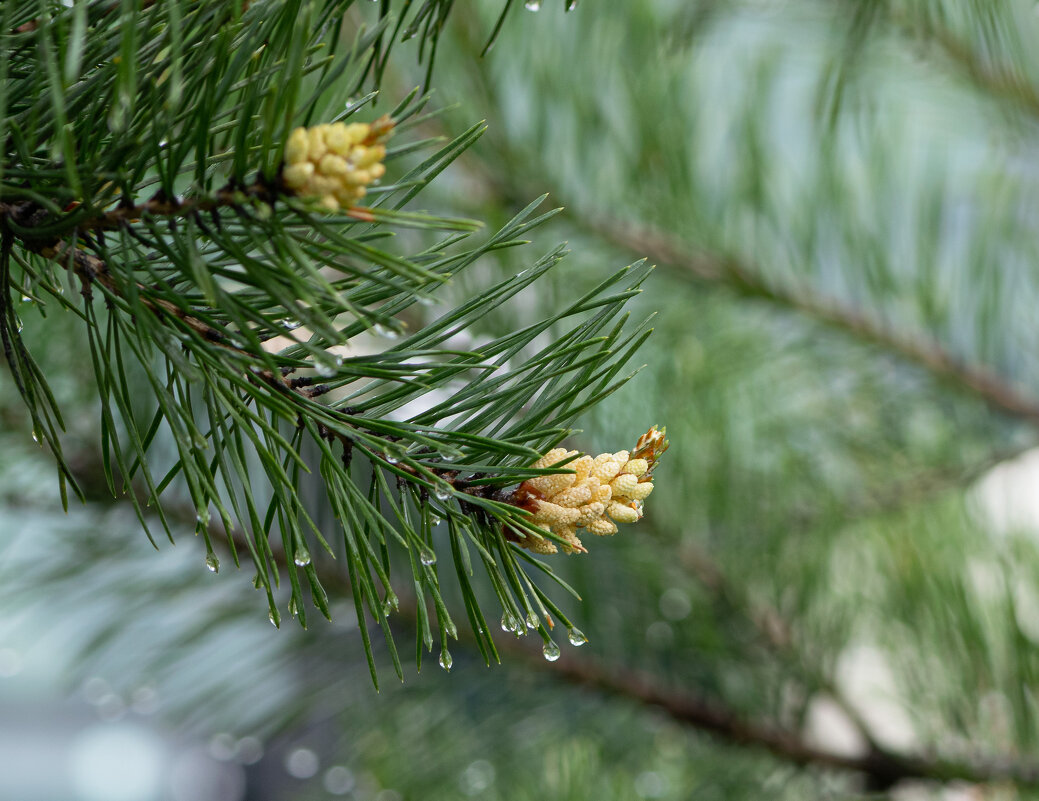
841 548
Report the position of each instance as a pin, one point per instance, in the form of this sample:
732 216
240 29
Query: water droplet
451 629
324 370
392 459
551 651
442 490
532 620
571 5
18 324
434 520
274 618
293 608
427 557
385 331
532 5
212 562
576 637
445 659
302 558
26 299
289 324
390 604
509 622
203 517
36 436
424 300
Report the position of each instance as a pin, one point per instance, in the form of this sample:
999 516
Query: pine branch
990 78
742 279
882 768
205 279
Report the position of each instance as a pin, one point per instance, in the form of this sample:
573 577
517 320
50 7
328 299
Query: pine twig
931 355
882 768
993 79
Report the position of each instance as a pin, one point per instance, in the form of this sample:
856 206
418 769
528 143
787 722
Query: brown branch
999 81
883 768
93 270
929 354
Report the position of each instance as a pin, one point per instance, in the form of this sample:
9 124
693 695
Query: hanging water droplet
289 324
509 622
293 609
434 520
532 620
385 331
203 517
18 324
425 300
532 5
442 490
445 659
391 458
36 436
212 562
451 629
427 557
274 618
390 604
571 5
26 299
302 557
551 651
324 370
576 637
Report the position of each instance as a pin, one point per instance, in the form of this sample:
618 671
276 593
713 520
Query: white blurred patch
1007 497
865 677
117 763
828 727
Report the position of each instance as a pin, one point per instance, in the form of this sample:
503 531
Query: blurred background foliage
830 595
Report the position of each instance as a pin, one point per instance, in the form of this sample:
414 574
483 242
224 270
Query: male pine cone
333 163
601 492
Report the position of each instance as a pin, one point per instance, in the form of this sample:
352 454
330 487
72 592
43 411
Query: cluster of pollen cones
334 163
600 492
